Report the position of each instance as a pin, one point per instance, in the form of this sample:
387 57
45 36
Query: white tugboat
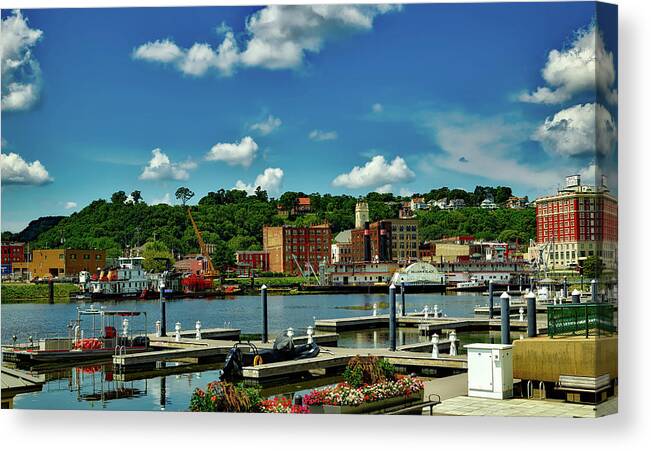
127 280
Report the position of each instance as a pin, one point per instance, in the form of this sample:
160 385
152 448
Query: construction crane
210 269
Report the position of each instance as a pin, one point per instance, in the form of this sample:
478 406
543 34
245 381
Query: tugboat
92 336
127 280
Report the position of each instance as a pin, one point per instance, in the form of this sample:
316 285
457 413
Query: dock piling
532 329
593 291
163 319
392 317
490 299
50 291
506 318
402 299
565 292
265 319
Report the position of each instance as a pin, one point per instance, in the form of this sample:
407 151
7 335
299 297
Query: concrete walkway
467 406
447 387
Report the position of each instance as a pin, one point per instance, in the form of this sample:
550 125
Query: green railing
580 319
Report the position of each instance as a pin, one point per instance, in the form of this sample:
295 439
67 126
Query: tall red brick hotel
577 222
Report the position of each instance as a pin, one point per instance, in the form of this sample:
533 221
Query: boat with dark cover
247 354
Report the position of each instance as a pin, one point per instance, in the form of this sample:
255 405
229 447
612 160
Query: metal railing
580 319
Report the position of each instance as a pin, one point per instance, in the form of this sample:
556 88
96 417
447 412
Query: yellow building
61 262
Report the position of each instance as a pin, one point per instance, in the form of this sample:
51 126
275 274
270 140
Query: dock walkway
14 382
336 358
428 325
196 351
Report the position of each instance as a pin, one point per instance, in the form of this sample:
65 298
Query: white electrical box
490 370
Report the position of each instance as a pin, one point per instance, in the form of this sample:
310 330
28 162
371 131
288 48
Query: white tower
361 214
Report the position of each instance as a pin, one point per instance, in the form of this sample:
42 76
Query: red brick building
287 245
379 239
258 261
12 253
578 222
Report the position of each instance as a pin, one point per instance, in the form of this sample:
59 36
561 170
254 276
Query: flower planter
370 407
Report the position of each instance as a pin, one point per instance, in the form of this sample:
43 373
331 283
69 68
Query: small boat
92 336
247 354
472 285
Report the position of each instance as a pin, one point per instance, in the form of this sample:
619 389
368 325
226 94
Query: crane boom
210 270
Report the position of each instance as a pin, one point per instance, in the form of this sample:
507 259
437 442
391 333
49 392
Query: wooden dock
216 333
335 359
426 325
191 350
15 382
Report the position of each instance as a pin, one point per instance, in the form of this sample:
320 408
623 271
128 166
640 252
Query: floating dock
192 350
15 382
426 325
333 360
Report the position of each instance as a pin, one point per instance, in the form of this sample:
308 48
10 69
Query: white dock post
177 329
426 311
197 326
125 327
435 346
453 343
521 312
374 309
158 331
310 331
436 311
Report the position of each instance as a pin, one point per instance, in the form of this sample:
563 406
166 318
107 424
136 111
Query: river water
95 387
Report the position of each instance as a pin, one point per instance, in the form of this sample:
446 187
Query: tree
260 194
156 255
119 197
184 194
592 267
136 196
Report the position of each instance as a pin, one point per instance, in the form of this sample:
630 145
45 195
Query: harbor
408 344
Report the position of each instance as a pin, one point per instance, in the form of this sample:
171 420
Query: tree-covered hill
232 220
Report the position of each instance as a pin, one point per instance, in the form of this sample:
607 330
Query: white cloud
387 188
166 199
267 126
320 135
241 153
376 172
578 130
160 167
377 108
278 37
70 205
16 171
271 180
486 147
21 73
196 61
585 65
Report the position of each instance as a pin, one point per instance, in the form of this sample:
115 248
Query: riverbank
24 293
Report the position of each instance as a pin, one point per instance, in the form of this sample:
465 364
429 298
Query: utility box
490 370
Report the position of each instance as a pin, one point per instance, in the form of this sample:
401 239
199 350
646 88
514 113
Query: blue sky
338 99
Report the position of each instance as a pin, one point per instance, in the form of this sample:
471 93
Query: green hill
231 221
